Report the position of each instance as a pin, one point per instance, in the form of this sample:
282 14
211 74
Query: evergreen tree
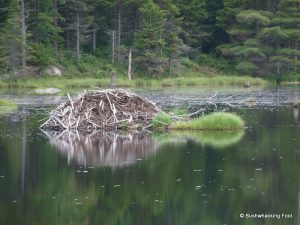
174 44
11 39
149 42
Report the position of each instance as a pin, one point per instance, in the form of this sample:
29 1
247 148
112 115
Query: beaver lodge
102 110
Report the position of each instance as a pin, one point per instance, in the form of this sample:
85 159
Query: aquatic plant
7 105
214 121
161 121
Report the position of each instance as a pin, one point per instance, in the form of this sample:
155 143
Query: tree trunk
113 47
55 43
129 65
77 35
23 34
94 39
113 79
119 31
296 57
278 66
170 65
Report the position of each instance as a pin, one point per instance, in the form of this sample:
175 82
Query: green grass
122 81
161 121
214 121
7 105
179 112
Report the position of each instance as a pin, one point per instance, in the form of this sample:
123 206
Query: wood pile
102 110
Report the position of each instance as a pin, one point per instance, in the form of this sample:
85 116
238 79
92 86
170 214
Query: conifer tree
149 42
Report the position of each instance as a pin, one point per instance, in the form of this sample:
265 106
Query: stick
71 101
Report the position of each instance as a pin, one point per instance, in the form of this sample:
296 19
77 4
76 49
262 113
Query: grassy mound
214 121
7 105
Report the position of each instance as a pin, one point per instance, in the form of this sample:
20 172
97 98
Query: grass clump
161 121
179 112
214 121
7 105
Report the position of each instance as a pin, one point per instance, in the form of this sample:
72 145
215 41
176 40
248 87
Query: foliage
165 37
214 121
161 121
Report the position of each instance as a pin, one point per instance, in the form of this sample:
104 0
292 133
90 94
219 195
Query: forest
162 37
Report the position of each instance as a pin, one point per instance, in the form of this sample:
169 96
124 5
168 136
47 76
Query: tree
149 42
79 20
174 44
12 49
243 22
194 14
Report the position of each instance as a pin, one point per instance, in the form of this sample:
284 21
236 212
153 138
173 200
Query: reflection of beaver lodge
104 148
102 110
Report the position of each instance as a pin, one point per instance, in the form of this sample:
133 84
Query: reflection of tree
104 148
161 190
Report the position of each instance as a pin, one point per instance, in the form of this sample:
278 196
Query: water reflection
216 139
189 181
104 148
295 113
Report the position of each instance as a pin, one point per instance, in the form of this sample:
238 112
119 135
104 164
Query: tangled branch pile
102 110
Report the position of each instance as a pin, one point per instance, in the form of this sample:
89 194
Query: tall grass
7 105
122 81
161 121
214 121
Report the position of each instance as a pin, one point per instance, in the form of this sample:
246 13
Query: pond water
152 179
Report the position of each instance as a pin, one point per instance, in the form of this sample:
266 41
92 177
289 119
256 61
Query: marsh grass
7 105
122 81
214 121
161 121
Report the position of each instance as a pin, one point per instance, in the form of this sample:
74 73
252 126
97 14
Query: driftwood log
102 110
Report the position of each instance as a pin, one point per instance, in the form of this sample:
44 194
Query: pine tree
194 14
149 42
11 45
78 23
243 22
174 44
46 34
287 18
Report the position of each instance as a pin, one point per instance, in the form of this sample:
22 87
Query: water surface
149 178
